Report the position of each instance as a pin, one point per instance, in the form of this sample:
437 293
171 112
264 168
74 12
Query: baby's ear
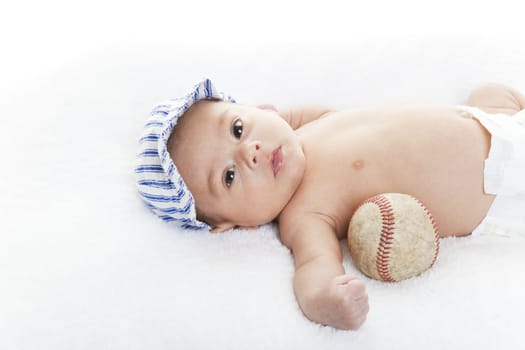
268 107
222 227
248 227
225 227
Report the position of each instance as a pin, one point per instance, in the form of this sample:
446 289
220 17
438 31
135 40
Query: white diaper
504 174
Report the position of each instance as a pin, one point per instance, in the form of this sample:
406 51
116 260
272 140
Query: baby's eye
229 175
237 128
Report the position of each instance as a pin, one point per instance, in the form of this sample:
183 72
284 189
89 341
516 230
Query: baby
207 162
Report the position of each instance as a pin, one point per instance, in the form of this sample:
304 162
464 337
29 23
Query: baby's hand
345 304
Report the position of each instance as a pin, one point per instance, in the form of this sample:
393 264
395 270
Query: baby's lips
276 160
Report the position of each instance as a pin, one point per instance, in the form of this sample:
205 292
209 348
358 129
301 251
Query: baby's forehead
206 109
212 111
197 122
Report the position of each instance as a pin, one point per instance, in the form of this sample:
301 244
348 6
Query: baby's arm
325 293
497 98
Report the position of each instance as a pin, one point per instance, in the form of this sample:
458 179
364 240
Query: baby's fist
347 305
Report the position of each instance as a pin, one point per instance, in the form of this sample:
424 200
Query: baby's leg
497 98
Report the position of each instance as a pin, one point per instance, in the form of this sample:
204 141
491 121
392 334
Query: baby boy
208 162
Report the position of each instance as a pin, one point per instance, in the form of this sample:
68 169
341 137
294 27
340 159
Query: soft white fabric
85 265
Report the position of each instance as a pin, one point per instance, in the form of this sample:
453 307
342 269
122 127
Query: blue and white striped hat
159 182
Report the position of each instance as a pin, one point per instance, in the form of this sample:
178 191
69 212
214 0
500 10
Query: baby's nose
249 152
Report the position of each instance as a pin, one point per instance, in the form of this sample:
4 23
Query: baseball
392 237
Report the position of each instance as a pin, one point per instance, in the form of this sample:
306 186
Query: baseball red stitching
387 236
436 231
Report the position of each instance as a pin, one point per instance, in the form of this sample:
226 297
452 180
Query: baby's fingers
356 289
351 286
344 279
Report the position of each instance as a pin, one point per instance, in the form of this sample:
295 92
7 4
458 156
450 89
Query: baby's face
242 164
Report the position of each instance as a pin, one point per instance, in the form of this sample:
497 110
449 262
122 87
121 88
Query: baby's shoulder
297 220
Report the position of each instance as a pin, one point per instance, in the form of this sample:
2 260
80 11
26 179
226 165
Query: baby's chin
294 166
264 219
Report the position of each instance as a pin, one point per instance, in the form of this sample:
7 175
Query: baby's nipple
358 164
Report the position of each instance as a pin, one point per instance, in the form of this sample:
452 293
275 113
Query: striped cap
159 182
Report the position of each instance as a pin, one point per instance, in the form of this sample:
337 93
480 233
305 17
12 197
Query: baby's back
434 154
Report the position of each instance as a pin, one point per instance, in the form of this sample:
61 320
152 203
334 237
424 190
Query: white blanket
84 265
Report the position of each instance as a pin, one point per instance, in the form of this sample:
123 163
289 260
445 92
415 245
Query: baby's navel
358 164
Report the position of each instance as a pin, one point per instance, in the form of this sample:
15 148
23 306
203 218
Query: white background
39 36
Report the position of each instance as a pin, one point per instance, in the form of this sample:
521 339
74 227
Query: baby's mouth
276 160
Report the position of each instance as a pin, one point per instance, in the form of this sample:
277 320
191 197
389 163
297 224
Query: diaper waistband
505 165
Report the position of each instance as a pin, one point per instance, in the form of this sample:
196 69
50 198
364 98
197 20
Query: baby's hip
504 173
504 168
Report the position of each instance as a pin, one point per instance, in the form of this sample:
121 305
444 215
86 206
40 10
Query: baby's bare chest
435 155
